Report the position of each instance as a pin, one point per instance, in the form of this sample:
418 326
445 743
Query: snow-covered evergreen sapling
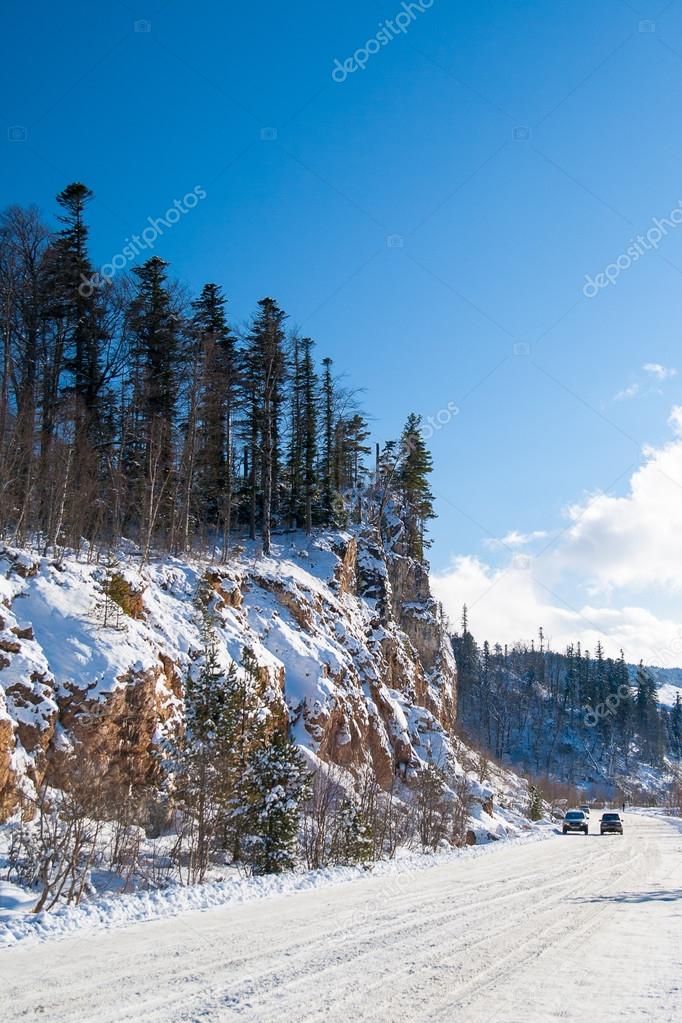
353 835
277 784
109 605
536 809
200 762
222 724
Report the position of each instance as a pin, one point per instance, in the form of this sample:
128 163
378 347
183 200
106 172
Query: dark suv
575 820
611 824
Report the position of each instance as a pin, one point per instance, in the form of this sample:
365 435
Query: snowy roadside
106 913
662 812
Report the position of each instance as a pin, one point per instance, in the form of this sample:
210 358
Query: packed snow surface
18 923
571 928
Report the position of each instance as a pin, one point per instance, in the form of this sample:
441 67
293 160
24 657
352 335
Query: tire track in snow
451 956
460 943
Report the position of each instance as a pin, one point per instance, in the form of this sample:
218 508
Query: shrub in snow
346 821
431 807
55 851
459 807
353 835
118 598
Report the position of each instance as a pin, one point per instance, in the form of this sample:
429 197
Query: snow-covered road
569 928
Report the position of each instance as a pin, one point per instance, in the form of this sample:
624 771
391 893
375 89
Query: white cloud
510 604
655 369
614 574
629 392
633 541
675 420
516 539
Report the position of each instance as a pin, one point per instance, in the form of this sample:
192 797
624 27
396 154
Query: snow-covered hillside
670 685
346 631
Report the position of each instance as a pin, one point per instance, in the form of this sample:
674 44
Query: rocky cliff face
345 630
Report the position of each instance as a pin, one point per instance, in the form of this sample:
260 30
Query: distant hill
670 684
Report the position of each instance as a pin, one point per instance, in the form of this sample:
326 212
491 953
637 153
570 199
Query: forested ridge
130 408
138 423
571 714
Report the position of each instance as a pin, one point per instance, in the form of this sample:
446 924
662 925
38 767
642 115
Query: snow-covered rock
346 633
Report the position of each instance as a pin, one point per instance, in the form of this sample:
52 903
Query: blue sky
429 220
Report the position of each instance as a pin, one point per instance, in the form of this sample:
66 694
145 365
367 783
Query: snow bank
18 924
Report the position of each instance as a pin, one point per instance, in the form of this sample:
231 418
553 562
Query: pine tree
309 412
536 809
466 653
388 466
676 727
415 468
624 717
78 303
155 383
570 686
249 724
73 385
109 604
29 339
154 324
352 835
226 732
202 762
218 380
350 450
387 463
328 441
648 720
250 426
265 370
304 410
277 784
295 453
656 740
